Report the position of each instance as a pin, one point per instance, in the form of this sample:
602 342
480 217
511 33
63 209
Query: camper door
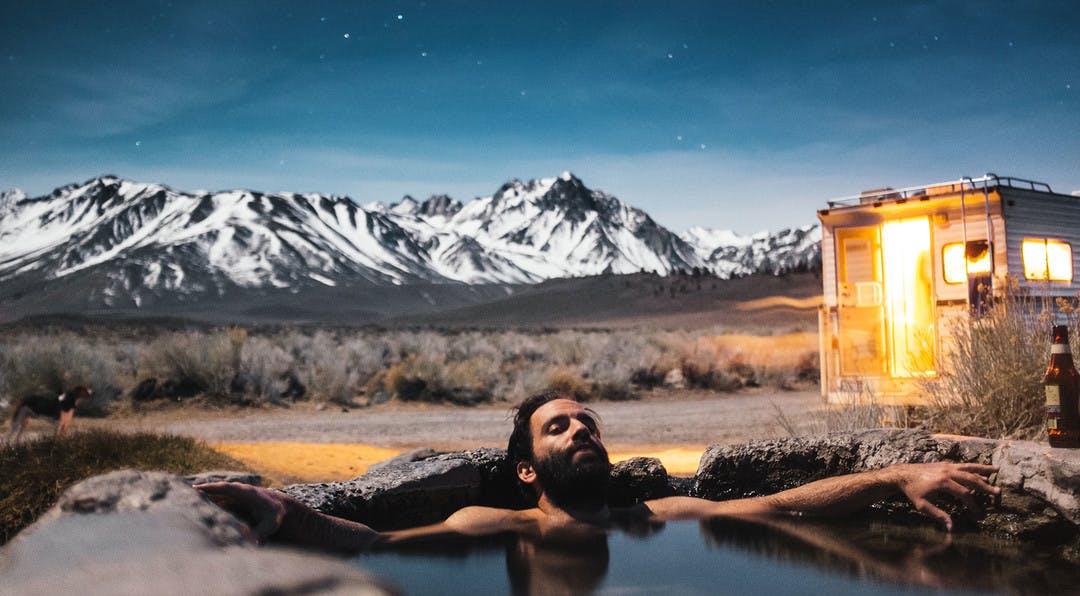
885 299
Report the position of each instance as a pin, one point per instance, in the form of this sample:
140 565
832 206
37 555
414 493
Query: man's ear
525 472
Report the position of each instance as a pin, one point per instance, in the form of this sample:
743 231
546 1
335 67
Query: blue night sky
739 115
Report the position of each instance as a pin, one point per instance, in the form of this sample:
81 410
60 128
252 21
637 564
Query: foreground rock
139 533
1040 485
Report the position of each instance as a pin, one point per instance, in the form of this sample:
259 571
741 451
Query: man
559 457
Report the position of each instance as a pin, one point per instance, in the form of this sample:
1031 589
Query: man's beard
575 485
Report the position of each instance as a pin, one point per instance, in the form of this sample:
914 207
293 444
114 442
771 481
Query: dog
59 408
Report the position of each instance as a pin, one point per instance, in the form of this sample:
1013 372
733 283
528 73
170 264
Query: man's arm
275 515
843 494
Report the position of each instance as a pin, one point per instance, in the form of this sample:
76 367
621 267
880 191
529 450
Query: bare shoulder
478 521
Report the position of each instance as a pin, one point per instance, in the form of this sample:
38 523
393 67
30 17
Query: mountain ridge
134 243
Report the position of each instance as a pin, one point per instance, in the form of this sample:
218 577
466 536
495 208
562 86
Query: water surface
731 557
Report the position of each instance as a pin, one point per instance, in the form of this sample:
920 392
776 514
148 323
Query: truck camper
900 267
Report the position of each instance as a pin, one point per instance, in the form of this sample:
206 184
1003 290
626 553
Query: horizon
741 117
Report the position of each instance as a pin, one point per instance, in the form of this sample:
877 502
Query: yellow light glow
1058 261
1047 260
952 260
905 246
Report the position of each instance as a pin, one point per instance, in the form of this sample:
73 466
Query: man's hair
519 448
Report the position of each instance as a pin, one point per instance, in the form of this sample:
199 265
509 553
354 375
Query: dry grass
33 474
991 383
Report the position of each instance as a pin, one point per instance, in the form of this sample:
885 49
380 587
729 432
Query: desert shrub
331 379
265 368
991 375
33 474
193 362
860 413
433 379
569 382
53 364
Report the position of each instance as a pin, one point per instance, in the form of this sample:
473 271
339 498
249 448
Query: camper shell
901 266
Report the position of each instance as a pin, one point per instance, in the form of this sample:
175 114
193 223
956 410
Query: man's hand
919 481
264 510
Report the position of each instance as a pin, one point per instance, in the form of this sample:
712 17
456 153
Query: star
346 36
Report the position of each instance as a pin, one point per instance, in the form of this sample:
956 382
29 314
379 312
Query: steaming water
728 557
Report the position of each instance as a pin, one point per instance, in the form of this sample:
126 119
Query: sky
731 115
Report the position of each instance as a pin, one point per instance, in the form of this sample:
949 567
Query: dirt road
692 419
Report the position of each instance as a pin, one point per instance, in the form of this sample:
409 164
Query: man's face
568 456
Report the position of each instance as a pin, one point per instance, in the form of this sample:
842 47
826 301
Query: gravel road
688 420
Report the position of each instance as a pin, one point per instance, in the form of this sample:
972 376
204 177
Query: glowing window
953 256
1047 260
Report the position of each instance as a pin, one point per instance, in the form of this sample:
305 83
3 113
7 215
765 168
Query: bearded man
560 459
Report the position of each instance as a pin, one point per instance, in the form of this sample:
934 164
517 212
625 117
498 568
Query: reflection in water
557 567
902 555
793 556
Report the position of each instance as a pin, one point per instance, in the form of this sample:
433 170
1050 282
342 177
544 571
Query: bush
33 474
193 362
991 381
54 364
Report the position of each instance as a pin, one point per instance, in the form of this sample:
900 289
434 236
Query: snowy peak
439 206
141 241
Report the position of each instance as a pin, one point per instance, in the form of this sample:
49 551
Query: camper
901 267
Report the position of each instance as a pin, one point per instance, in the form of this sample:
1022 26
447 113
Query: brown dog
58 408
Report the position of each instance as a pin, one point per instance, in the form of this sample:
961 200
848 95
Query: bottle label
1060 349
1053 395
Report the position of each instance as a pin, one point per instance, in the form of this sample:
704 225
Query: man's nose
581 431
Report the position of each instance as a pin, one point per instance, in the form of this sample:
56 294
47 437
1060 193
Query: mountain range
119 243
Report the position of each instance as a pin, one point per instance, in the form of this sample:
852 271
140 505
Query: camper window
1047 260
953 257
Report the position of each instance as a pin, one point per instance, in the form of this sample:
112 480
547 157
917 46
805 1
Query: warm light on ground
326 462
307 462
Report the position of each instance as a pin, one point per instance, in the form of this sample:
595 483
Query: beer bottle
1062 383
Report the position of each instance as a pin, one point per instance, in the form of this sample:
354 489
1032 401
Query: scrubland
358 367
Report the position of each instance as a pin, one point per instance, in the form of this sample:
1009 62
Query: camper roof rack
926 191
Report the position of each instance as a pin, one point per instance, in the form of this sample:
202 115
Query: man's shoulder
487 520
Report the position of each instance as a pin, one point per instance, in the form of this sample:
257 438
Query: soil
658 421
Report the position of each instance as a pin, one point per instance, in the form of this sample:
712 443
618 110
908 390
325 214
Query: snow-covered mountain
136 240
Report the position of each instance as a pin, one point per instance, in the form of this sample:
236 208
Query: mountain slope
118 243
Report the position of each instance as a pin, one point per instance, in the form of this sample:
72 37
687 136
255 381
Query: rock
764 467
1040 485
675 379
424 491
638 479
404 458
127 491
408 494
224 476
1036 469
137 533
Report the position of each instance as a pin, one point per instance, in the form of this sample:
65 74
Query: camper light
953 262
909 316
1047 260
